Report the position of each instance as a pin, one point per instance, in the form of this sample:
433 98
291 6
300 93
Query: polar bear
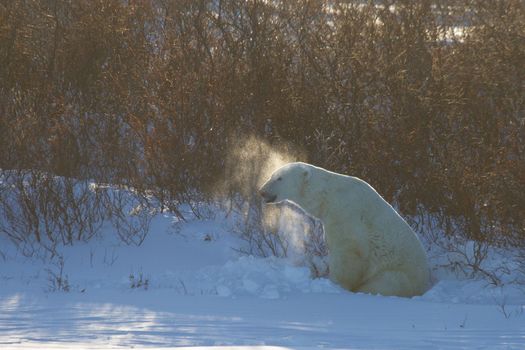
371 248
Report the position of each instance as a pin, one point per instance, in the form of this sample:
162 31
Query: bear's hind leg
389 283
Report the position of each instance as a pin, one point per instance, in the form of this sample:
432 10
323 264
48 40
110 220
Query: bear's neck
318 205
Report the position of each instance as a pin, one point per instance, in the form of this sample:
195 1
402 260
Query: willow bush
425 100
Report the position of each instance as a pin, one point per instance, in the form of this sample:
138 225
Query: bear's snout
268 198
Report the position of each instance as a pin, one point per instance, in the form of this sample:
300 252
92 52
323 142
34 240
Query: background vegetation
425 100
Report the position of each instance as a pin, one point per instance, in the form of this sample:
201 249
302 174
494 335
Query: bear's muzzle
268 198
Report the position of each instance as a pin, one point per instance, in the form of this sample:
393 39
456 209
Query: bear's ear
306 174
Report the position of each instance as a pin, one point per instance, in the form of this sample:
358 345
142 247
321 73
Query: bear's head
289 182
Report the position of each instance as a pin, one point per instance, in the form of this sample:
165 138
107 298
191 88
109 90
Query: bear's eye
279 178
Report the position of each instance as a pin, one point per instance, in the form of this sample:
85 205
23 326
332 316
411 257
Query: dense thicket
425 100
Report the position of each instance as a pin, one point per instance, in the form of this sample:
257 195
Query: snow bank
188 285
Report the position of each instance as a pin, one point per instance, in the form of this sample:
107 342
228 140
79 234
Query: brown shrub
425 100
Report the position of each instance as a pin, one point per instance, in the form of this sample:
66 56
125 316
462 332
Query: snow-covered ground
187 286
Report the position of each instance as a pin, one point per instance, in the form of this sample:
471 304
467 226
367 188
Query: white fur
371 248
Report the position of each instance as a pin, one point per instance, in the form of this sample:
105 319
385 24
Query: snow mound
269 278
